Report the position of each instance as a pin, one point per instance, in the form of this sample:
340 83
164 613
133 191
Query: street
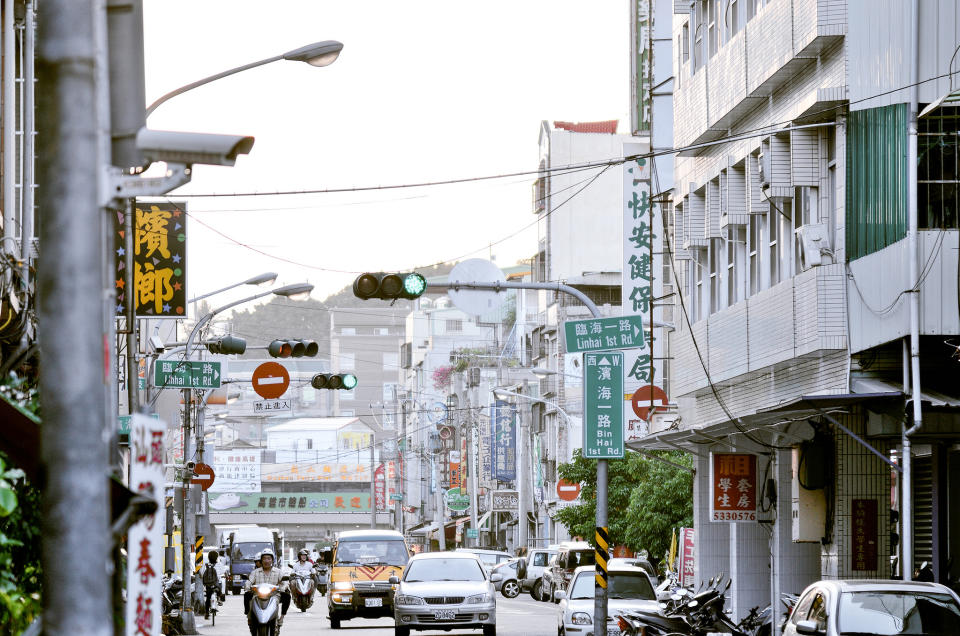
521 615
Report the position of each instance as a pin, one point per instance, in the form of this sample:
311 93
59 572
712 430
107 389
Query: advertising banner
687 563
505 501
864 527
236 470
380 487
504 441
159 260
733 483
309 471
252 502
145 538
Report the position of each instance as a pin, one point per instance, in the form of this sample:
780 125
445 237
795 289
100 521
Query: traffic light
389 286
334 381
293 348
227 345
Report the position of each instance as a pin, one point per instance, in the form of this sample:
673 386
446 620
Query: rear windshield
583 557
372 552
887 613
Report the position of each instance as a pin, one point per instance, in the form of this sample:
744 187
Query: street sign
270 380
265 407
456 500
505 501
604 334
186 374
602 398
396 497
123 422
567 491
203 475
642 398
472 533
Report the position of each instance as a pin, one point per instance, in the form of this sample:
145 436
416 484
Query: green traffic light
414 284
349 381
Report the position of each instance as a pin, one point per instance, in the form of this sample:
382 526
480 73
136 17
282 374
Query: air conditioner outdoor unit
813 238
764 169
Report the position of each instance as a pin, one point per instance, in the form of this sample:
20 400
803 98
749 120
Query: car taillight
622 624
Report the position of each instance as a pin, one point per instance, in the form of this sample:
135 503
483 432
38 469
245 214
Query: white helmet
268 551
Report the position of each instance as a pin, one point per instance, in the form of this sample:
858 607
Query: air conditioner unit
764 168
813 239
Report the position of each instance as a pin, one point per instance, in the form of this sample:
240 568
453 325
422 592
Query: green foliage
20 579
646 498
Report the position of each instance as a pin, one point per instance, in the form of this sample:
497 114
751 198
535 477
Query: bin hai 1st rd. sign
603 405
186 374
604 334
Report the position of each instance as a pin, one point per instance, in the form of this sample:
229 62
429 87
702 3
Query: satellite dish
476 302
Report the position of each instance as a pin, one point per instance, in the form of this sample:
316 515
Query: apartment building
791 244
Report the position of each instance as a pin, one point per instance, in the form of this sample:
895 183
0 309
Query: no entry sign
647 396
270 380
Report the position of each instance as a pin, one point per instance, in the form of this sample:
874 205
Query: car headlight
343 585
406 599
581 618
476 599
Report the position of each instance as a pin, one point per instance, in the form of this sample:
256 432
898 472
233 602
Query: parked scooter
264 610
302 590
170 601
685 613
321 576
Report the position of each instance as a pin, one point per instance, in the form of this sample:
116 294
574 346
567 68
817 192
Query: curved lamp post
264 278
322 53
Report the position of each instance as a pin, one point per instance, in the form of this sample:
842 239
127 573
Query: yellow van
361 564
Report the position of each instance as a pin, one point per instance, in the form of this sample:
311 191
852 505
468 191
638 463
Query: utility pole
523 490
187 529
471 461
403 460
439 511
373 484
70 319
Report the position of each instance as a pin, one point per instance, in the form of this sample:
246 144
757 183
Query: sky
423 91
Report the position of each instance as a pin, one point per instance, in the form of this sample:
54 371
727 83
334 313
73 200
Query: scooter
321 577
170 599
302 590
264 610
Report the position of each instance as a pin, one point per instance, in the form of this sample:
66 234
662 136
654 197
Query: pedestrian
211 581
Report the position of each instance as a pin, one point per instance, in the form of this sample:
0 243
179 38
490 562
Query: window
789 258
454 326
736 248
716 282
938 169
698 29
540 558
756 223
732 18
773 251
685 43
818 612
382 331
713 33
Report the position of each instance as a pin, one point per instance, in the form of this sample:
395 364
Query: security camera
189 148
191 465
157 343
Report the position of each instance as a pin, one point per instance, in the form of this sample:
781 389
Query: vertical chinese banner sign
863 551
642 281
145 538
380 487
687 567
733 486
159 260
455 477
504 442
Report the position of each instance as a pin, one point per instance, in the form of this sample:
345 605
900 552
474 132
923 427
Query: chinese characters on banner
504 441
310 502
864 535
159 256
687 564
236 470
733 479
145 538
485 463
642 278
380 487
455 464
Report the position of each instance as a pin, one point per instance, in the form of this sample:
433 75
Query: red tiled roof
609 127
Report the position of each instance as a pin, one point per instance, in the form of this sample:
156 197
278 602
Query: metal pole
373 485
602 553
72 342
403 461
10 219
472 462
133 390
523 486
187 529
439 511
29 151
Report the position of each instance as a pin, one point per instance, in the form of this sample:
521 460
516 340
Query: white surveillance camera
189 148
191 465
157 343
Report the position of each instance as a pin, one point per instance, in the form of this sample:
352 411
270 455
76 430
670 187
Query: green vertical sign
603 405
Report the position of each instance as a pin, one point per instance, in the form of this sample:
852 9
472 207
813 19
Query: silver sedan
445 590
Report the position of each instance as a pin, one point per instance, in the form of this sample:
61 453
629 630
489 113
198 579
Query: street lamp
317 54
260 279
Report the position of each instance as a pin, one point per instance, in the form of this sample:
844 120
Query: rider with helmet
266 573
302 565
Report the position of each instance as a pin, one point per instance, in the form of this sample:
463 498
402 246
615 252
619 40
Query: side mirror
394 580
560 594
807 627
496 578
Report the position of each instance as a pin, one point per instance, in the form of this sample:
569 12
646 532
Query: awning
950 99
422 531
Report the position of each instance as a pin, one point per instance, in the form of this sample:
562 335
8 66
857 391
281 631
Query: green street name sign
396 497
603 405
472 533
456 500
182 374
604 334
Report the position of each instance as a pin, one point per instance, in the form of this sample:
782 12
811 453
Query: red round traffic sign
567 491
644 396
203 475
270 380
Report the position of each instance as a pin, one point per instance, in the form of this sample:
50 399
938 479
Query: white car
875 606
628 588
444 591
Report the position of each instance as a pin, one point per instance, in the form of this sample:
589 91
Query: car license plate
373 602
613 631
443 615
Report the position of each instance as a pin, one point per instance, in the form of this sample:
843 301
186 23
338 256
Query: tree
654 497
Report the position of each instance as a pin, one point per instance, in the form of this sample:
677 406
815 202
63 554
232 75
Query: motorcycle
171 597
685 613
302 590
264 610
321 577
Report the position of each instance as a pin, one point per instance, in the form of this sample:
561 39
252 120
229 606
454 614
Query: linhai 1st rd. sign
604 334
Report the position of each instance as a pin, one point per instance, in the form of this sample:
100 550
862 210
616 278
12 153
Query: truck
244 544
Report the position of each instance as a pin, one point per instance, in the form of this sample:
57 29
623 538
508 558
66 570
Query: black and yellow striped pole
198 554
602 552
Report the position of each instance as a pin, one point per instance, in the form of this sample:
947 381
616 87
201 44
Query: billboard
503 441
733 486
